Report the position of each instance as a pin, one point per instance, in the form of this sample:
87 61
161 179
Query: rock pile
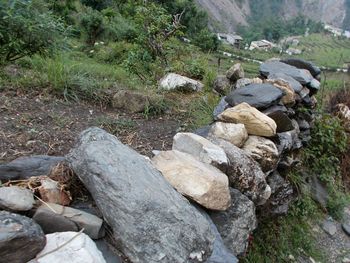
194 203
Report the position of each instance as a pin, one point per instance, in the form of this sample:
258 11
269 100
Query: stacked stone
277 111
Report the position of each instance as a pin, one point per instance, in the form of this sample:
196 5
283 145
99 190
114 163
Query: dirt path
36 124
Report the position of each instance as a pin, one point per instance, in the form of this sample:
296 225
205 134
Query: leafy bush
92 23
26 28
206 40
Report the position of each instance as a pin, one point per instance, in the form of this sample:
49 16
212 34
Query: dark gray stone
260 96
346 228
109 255
222 85
295 85
25 167
272 67
244 173
303 125
302 64
220 108
51 222
151 222
275 108
284 123
281 198
21 239
220 252
318 191
236 223
287 163
204 131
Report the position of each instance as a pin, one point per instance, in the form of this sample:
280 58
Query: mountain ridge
227 15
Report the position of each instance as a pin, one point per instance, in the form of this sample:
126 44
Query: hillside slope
226 15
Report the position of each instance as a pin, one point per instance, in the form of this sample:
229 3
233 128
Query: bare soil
38 123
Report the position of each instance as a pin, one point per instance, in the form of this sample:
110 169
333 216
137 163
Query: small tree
26 30
92 23
206 40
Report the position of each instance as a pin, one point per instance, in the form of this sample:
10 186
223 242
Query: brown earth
38 123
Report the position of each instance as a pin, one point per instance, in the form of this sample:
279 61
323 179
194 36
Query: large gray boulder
151 222
25 167
271 67
237 223
21 239
244 173
260 96
222 85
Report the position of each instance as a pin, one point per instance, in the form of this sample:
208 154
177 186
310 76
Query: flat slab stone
260 96
26 167
296 86
272 67
303 64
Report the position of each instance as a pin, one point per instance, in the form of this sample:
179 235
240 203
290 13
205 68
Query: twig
53 210
61 246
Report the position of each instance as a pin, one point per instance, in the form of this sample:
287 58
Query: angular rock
220 108
289 98
26 167
203 131
200 148
281 198
275 108
329 227
302 64
245 82
222 85
319 191
233 133
45 217
139 201
108 253
283 122
132 101
295 85
254 121
201 182
314 86
79 248
51 192
220 253
174 81
244 173
303 125
264 151
235 73
273 67
14 198
51 222
260 96
21 239
237 223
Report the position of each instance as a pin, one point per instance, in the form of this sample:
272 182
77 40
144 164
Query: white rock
78 250
200 148
174 81
16 199
262 150
233 133
256 122
199 181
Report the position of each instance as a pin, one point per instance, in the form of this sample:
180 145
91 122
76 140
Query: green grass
72 75
276 240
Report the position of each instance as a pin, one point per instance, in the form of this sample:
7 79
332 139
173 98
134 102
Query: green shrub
92 23
206 40
26 28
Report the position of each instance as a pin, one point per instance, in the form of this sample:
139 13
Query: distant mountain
226 15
